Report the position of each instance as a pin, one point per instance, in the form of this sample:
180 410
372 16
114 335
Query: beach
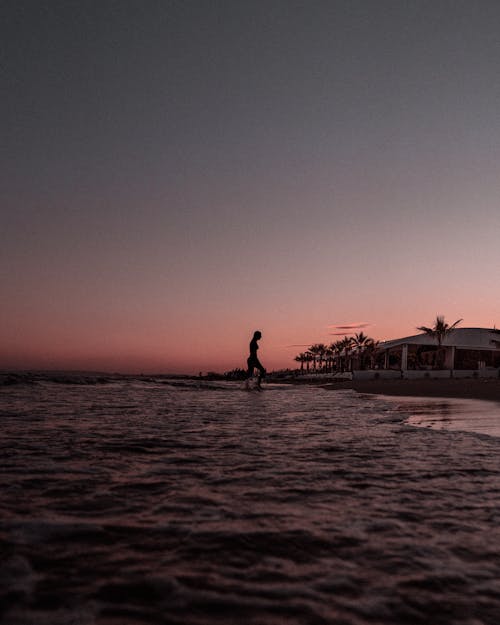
147 502
468 388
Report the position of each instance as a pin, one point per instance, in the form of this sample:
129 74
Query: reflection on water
464 415
138 503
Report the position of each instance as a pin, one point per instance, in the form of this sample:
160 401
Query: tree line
360 351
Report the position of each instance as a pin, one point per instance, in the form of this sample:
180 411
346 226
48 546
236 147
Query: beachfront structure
464 352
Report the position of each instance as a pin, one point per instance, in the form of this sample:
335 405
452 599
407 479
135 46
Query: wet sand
485 389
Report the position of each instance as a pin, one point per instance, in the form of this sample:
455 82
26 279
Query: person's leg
262 372
250 369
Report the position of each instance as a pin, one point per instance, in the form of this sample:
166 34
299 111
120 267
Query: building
464 352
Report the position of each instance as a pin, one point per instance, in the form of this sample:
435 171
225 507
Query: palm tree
333 350
346 344
339 347
371 351
318 352
321 347
439 331
360 341
309 358
313 353
329 354
301 358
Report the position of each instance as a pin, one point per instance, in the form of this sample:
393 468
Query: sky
178 174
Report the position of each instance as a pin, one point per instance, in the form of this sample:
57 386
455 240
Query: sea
182 502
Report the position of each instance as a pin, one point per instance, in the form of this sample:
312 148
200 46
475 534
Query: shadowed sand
486 389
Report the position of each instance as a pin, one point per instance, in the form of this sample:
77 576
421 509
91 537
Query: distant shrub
235 374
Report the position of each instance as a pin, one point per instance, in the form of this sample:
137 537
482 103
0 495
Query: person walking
253 361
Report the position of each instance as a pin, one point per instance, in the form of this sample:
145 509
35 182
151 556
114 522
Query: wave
138 503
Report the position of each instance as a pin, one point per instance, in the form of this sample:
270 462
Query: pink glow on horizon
65 308
155 350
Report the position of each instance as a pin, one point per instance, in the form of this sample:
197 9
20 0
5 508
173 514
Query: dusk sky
176 175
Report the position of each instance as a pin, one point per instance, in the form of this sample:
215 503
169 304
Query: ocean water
145 502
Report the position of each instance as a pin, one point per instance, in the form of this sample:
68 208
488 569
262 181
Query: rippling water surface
134 502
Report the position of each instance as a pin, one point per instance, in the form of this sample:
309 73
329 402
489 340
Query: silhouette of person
253 362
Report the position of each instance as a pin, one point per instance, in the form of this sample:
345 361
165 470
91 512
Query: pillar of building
449 360
404 358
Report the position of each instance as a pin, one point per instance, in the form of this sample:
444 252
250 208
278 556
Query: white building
464 352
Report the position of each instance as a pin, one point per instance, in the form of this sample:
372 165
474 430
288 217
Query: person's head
257 335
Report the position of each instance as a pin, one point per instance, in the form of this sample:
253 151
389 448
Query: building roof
463 338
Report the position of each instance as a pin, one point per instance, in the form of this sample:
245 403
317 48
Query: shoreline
487 389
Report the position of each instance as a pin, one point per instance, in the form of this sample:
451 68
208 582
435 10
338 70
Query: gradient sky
177 174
